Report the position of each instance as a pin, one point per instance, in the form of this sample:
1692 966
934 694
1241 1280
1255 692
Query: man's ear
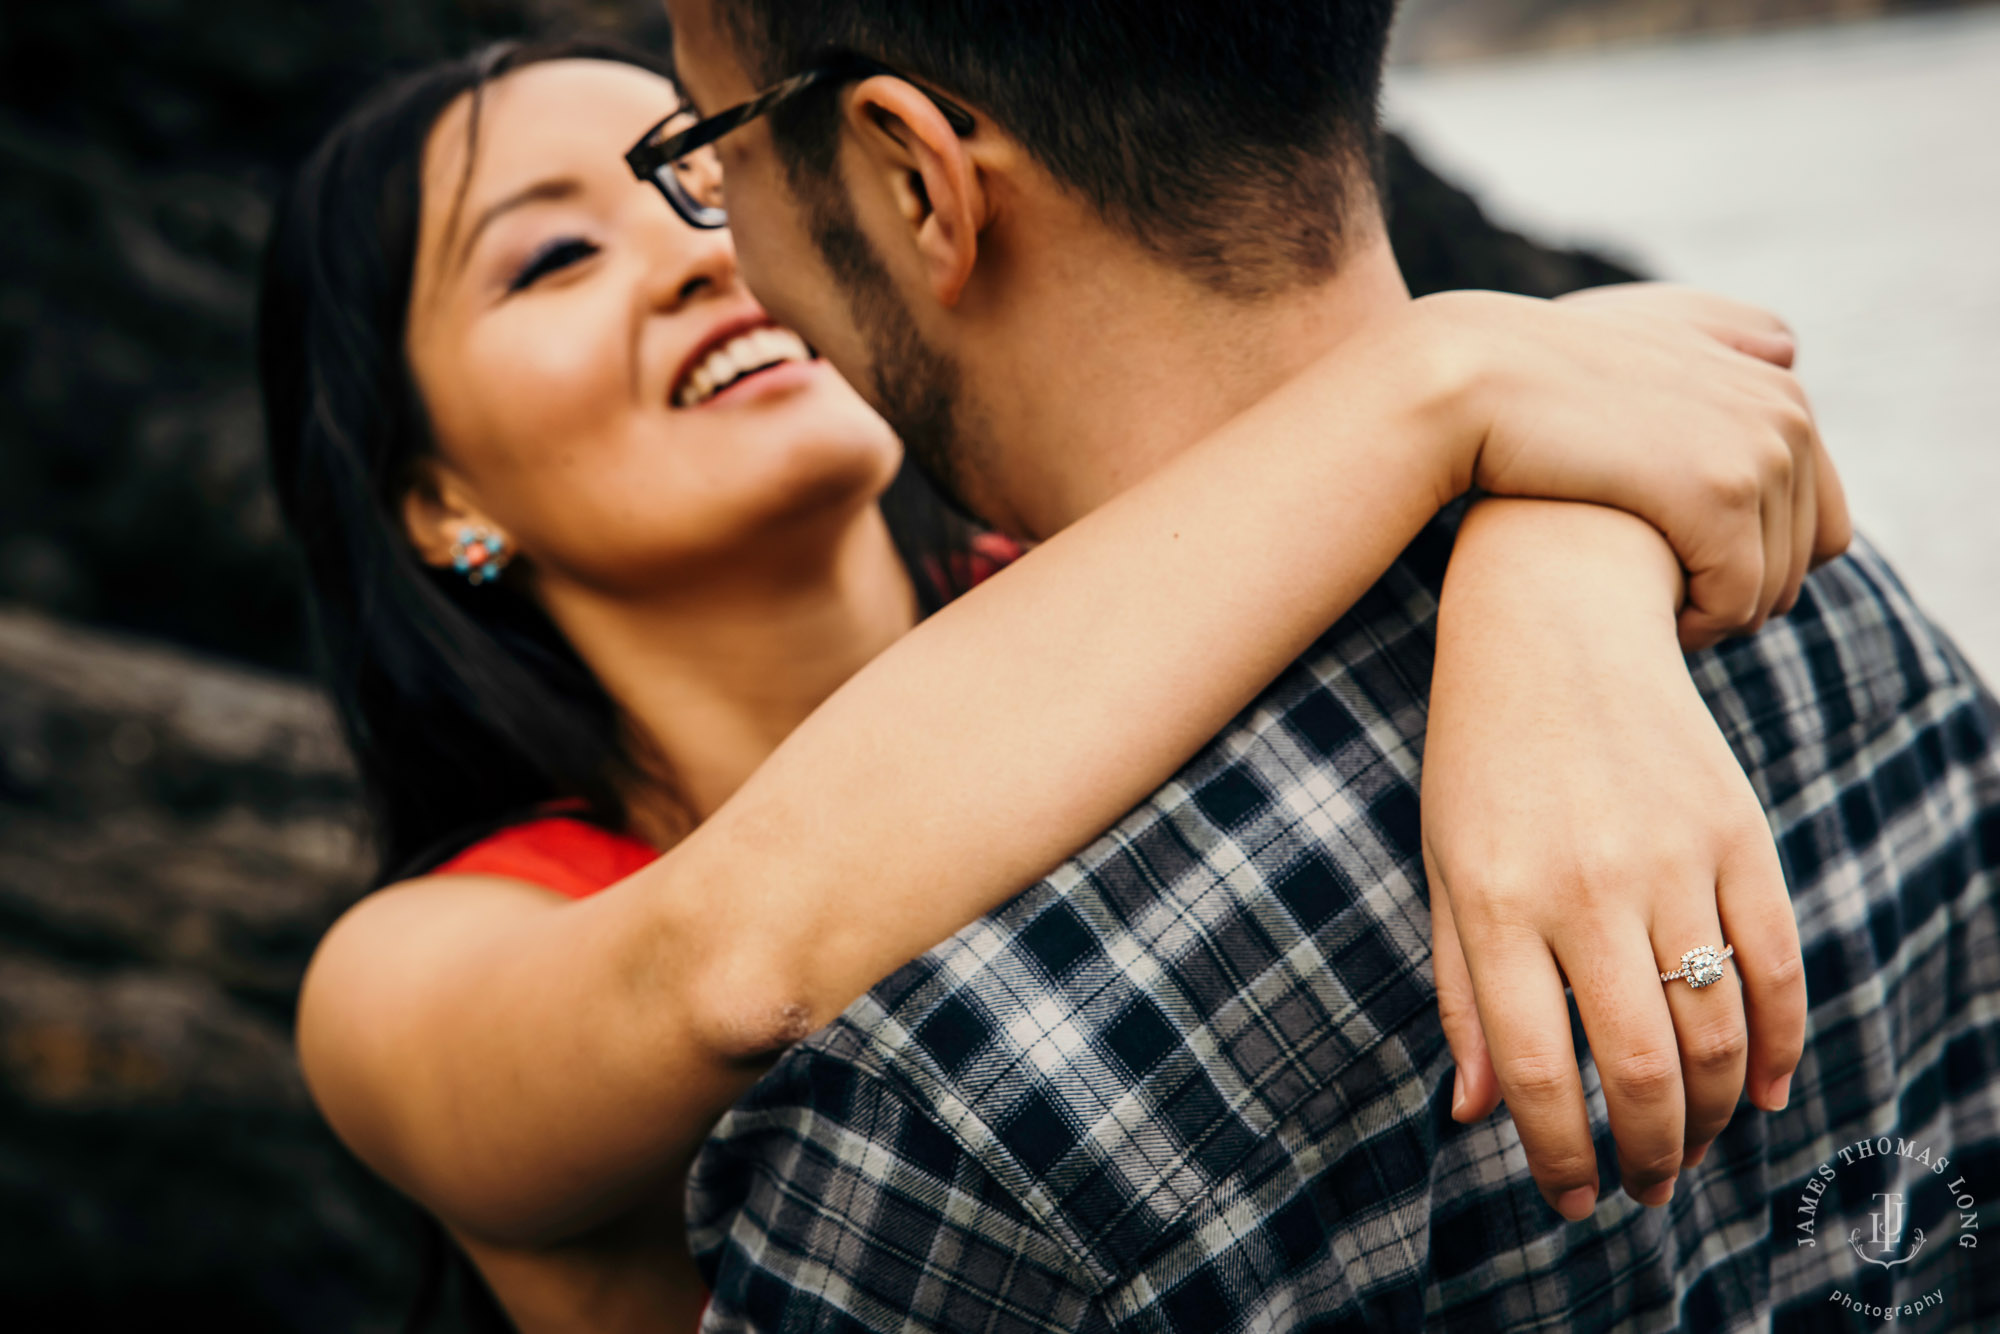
437 506
932 175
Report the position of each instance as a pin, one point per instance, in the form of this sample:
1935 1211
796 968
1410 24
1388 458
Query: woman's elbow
747 1010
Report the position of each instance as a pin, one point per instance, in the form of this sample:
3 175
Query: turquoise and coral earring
480 553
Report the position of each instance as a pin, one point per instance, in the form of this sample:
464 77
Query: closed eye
556 255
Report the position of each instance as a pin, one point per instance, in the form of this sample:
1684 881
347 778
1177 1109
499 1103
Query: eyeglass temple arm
648 156
855 66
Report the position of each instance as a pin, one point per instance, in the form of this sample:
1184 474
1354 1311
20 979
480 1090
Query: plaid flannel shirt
1195 1079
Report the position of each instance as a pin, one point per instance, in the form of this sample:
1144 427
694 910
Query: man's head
1222 147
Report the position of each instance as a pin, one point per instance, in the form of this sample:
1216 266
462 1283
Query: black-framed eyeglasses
678 155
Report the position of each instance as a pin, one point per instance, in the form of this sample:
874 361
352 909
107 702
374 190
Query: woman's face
582 354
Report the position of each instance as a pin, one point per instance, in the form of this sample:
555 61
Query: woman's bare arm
528 1066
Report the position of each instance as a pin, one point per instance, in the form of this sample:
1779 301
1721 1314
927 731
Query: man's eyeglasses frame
656 162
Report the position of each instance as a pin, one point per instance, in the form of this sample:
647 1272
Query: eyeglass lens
697 177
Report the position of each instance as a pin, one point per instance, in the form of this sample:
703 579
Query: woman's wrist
1574 563
1462 375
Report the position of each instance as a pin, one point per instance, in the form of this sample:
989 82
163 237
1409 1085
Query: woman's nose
690 263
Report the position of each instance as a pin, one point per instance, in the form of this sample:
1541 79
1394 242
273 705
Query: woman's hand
1667 403
1585 822
1751 330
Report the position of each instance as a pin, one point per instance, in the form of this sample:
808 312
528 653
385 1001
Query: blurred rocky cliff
174 835
176 817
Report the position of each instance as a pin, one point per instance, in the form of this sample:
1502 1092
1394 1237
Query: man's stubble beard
916 386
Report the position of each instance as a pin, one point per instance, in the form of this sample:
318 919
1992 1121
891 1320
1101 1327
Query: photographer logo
1888 1235
1889 1240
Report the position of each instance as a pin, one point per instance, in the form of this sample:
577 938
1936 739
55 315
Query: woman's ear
932 174
437 510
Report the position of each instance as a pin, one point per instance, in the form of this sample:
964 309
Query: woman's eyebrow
541 192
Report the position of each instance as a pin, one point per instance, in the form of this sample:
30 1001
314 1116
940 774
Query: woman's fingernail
1779 1094
1458 1096
1659 1194
1575 1205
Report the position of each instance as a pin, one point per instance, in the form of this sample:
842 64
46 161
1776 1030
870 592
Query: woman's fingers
1786 478
1756 917
1805 514
1639 1059
1738 591
1474 1091
1766 341
1780 349
1725 590
1708 1020
1768 508
1805 454
1835 527
1778 515
1535 1066
1749 329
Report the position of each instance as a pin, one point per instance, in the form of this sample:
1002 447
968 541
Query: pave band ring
1701 966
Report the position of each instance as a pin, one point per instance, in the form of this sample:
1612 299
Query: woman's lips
732 358
720 336
784 377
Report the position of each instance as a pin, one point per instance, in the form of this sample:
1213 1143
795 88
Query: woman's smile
778 378
733 358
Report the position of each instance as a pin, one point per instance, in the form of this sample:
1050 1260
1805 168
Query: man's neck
1121 371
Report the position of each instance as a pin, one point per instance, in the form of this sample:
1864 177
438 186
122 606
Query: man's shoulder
1855 662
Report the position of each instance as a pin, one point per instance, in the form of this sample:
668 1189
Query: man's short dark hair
1233 137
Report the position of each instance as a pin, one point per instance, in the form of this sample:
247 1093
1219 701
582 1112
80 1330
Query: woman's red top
572 857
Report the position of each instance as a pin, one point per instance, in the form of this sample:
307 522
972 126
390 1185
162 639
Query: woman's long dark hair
466 709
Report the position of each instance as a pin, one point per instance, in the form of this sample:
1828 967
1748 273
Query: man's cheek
772 263
757 271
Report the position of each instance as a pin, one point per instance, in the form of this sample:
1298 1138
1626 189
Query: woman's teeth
740 356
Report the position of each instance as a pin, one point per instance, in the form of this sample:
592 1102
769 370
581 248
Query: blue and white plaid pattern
1195 1080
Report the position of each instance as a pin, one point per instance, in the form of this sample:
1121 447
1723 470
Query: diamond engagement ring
1701 966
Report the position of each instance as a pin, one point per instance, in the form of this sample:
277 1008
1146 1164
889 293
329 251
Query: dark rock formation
174 837
1444 240
176 833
